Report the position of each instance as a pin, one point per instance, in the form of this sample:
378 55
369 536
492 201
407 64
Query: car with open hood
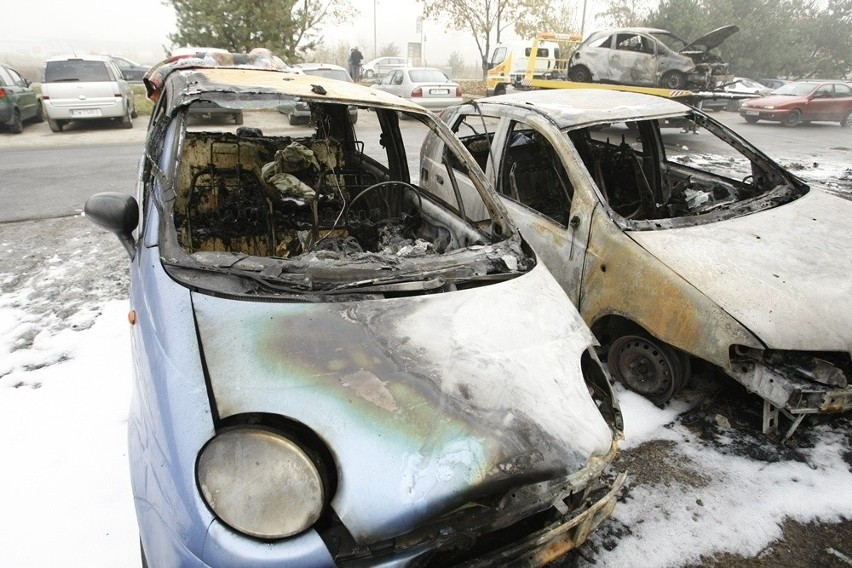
650 57
677 245
334 366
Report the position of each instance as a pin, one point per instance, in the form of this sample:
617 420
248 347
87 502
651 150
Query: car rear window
338 74
76 70
427 76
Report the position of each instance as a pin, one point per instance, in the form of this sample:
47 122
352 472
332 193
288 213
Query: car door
843 100
393 82
541 179
821 104
632 60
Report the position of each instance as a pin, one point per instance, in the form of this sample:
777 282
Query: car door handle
439 179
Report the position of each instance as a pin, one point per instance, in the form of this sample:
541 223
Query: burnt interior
334 199
315 211
636 178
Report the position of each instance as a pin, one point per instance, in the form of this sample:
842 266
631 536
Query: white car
425 86
85 87
675 248
381 66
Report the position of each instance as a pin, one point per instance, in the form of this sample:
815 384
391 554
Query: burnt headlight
261 483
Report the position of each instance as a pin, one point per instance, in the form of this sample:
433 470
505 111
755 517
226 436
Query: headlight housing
261 483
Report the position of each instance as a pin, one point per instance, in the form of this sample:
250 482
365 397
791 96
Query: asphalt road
47 175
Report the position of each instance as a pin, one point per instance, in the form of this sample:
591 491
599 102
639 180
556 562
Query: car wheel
500 89
126 120
673 80
733 105
580 74
134 113
238 118
794 118
17 125
293 119
368 73
39 116
648 367
846 121
55 125
751 119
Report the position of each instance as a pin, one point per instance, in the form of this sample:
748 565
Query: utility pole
375 51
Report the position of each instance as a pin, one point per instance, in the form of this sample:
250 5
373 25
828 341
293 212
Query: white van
85 87
508 64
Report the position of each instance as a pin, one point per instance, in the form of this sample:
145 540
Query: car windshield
338 74
669 40
76 70
317 210
681 170
427 76
795 89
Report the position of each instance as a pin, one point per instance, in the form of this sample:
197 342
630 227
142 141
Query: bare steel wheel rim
646 367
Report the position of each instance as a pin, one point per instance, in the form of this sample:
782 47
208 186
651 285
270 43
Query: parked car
739 87
381 66
333 366
675 248
802 101
649 57
300 112
425 86
773 83
131 70
85 87
18 102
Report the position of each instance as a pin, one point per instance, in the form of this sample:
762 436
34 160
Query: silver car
85 87
650 57
426 86
335 367
299 111
675 248
381 66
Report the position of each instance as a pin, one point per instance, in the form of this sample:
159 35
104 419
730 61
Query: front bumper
763 114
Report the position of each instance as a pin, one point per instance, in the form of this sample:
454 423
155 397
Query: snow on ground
64 394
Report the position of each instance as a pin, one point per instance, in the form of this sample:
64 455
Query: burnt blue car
334 366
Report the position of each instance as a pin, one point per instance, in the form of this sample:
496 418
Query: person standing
355 58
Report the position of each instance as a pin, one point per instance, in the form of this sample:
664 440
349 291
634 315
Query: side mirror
117 213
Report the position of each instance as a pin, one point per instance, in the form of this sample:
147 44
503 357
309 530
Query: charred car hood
783 273
712 39
426 402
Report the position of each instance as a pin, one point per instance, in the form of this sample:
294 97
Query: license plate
85 112
752 113
439 91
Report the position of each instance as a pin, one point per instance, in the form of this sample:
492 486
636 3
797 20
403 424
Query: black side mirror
117 213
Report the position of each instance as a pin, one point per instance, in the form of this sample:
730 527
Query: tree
553 16
456 63
484 19
389 50
287 27
784 38
623 13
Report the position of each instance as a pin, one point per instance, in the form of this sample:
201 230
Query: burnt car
677 245
802 101
334 366
650 57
